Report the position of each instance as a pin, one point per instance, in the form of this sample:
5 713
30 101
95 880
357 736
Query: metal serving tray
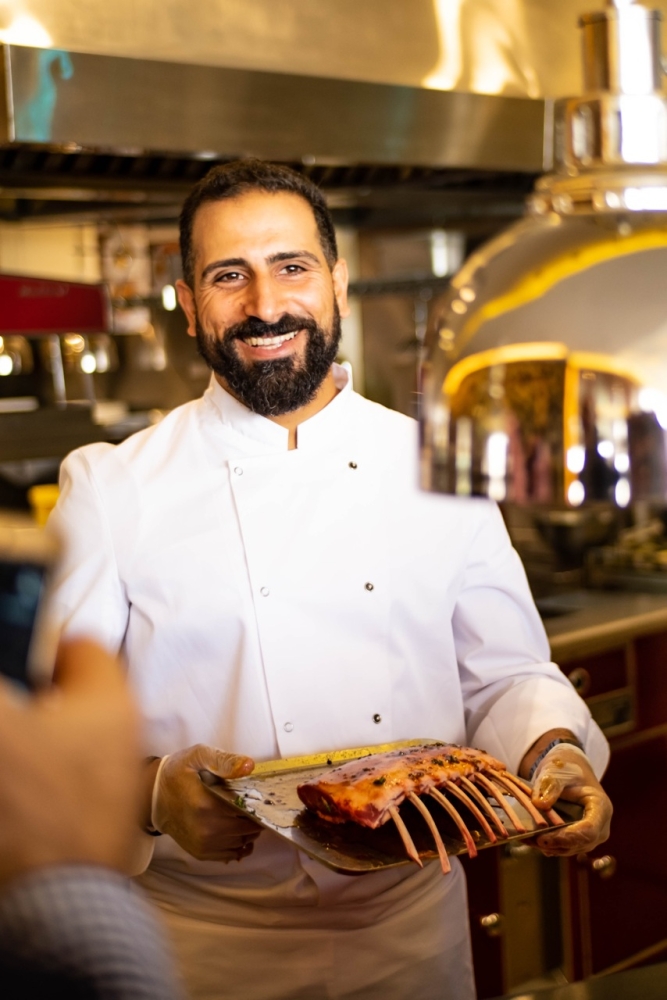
269 797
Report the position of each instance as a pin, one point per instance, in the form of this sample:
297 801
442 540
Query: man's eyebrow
276 258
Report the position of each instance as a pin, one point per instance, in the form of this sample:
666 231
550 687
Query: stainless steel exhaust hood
546 382
81 129
132 105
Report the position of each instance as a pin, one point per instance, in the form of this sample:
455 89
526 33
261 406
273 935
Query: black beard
272 388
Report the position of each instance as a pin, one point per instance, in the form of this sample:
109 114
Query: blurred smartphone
27 554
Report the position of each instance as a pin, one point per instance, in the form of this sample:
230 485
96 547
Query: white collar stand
321 430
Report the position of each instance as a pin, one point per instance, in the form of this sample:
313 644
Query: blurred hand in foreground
69 767
566 773
188 811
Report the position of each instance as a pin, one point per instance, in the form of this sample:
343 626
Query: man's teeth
270 341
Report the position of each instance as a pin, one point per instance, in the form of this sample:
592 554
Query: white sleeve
87 596
512 693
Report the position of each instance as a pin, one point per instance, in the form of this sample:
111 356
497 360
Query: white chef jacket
275 603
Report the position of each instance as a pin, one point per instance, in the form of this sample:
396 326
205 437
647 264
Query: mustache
255 327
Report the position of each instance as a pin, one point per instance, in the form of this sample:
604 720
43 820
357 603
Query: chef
279 586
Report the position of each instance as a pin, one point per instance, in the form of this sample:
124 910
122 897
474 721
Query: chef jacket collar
325 428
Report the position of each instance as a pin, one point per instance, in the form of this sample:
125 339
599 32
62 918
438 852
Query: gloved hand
188 811
566 773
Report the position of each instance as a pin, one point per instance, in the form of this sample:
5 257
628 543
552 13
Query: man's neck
326 392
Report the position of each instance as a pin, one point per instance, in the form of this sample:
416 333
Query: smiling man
279 586
267 321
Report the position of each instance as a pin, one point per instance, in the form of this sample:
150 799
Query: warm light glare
619 430
75 342
447 251
6 364
622 492
606 449
26 30
576 457
496 464
649 199
446 339
622 462
101 361
439 255
169 300
640 143
652 401
576 493
483 48
88 363
463 455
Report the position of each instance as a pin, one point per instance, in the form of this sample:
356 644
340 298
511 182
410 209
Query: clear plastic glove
566 773
185 808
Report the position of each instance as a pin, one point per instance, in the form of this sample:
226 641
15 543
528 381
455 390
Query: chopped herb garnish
379 781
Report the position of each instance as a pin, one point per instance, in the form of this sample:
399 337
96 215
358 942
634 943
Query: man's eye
294 268
227 276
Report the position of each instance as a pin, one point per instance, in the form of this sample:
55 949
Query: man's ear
186 299
340 277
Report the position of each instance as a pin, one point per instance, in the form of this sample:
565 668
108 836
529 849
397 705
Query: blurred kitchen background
428 124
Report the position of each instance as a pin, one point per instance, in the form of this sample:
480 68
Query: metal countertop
588 621
648 983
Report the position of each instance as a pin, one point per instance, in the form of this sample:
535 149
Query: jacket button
264 591
288 727
377 717
353 465
369 586
238 470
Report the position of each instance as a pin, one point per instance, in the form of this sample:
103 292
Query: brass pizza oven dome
545 380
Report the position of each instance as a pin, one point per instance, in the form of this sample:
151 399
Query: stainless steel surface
226 79
546 377
269 796
613 65
497 46
649 983
121 108
589 621
131 104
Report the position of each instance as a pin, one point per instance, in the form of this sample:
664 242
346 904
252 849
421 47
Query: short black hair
241 176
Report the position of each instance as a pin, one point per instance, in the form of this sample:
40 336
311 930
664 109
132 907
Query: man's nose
264 299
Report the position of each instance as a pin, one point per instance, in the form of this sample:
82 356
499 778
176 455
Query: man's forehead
255 217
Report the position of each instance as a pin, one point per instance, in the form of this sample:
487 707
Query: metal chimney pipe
621 49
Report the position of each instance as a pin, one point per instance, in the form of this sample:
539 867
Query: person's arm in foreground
69 800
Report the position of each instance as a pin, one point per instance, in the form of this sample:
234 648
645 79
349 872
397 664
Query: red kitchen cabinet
619 892
620 889
535 919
